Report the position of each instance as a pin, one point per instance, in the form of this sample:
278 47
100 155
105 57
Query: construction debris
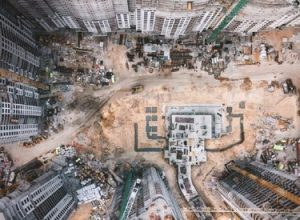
7 175
88 194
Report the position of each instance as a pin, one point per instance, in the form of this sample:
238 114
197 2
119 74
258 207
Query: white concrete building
170 18
123 21
46 199
19 112
145 19
18 49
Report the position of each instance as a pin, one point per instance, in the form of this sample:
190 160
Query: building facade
46 199
18 49
20 111
170 18
149 198
260 15
241 192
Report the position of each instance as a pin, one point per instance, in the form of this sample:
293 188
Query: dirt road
101 120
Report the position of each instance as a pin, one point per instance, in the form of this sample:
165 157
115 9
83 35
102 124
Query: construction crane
131 200
236 9
22 79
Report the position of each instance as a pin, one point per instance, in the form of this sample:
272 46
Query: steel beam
274 188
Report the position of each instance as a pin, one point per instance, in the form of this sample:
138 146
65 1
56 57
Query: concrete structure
20 111
46 199
170 18
93 16
260 15
149 198
241 192
18 49
188 128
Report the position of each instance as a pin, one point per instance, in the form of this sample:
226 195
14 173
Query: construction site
151 110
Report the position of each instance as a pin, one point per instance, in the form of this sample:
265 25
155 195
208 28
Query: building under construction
18 48
170 18
263 192
20 111
146 197
47 198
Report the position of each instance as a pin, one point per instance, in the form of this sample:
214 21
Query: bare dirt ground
82 212
102 120
124 110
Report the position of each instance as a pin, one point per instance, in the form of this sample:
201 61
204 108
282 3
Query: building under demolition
145 197
20 112
46 199
256 191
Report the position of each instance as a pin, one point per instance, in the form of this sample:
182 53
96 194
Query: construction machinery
235 10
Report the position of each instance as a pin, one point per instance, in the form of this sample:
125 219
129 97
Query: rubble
282 155
88 194
272 149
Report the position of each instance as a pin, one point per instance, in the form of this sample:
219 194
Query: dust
107 118
82 212
275 83
262 84
222 79
165 88
246 85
